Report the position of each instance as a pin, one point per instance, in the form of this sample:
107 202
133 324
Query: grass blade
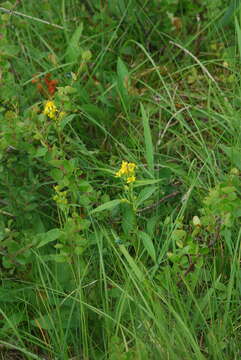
148 141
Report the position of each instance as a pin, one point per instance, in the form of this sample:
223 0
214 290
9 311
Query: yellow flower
127 171
131 167
130 179
50 109
123 170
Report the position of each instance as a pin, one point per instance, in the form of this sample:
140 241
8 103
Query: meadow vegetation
120 169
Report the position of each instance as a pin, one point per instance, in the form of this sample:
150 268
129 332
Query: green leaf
7 264
13 321
56 174
95 112
174 258
151 224
145 194
74 50
79 250
238 30
146 182
8 50
233 153
63 317
148 244
122 82
109 205
149 154
66 120
41 151
228 15
131 263
178 235
49 237
128 218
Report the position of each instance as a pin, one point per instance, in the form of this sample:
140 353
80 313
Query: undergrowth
120 180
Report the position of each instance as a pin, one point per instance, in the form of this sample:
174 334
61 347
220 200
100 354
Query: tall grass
144 99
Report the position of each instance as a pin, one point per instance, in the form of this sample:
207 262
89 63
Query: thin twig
162 133
11 12
165 198
204 69
6 213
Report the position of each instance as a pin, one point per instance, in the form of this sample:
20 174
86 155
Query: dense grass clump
120 180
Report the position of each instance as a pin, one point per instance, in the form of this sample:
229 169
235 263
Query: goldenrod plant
120 180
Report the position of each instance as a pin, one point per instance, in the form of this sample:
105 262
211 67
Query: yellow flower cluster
50 109
60 197
127 171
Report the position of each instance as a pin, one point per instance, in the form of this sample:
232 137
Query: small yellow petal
127 170
50 109
130 179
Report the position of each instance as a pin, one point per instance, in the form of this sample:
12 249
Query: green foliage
120 180
220 213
